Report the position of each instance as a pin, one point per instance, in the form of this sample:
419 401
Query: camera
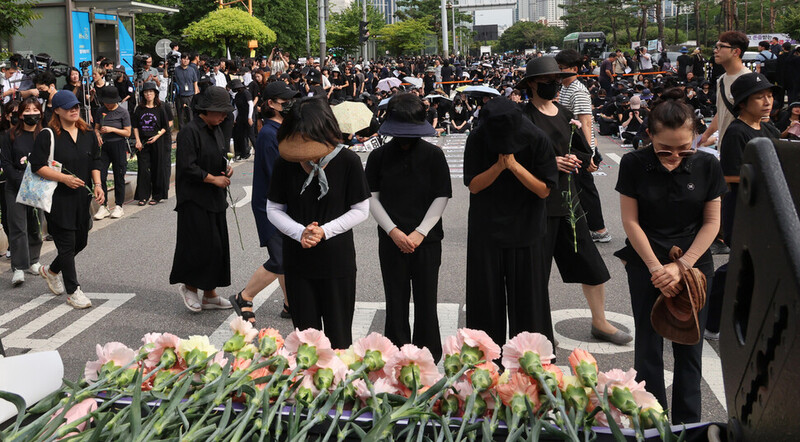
84 64
140 63
35 64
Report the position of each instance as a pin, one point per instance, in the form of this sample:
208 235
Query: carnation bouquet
260 386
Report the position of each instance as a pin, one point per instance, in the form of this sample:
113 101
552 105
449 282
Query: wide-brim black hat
539 67
215 99
236 84
504 129
405 129
748 84
108 95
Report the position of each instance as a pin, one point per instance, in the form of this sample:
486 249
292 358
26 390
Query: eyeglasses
718 47
682 153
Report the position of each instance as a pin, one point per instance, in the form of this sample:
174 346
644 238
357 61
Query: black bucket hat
504 130
539 67
236 84
108 95
748 84
215 99
149 86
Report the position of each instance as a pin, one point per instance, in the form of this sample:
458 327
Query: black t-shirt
670 203
150 120
683 65
506 213
431 115
408 181
119 118
737 135
331 258
558 130
12 154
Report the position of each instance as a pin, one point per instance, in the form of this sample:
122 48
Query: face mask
44 95
286 109
548 91
31 119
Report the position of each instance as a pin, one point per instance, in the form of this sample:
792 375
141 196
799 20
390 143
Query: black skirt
202 254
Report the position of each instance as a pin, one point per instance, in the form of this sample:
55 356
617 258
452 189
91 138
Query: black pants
590 200
24 229
648 359
183 109
401 271
242 137
69 242
716 293
202 252
584 267
148 171
161 191
513 277
4 210
323 301
116 153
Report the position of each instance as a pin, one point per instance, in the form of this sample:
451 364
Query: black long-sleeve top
200 152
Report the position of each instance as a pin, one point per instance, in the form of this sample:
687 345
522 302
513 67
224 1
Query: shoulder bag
34 190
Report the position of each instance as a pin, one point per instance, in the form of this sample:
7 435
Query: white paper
32 376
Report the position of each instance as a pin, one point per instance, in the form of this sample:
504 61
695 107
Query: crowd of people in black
528 164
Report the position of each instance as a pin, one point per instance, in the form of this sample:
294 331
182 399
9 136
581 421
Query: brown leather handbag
676 318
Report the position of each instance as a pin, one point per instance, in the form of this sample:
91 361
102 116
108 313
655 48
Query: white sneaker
54 282
79 300
102 213
18 278
34 269
117 212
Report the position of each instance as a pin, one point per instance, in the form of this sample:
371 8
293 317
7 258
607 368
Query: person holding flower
568 239
24 233
151 126
670 195
202 253
317 195
75 147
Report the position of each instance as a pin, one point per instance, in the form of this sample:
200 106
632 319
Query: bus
592 44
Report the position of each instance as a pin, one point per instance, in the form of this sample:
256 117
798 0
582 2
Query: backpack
769 66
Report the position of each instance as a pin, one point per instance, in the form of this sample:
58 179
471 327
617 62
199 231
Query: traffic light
363 32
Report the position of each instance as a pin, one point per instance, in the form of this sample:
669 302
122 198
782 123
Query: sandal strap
247 315
241 302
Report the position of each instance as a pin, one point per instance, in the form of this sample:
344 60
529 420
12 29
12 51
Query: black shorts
584 267
275 249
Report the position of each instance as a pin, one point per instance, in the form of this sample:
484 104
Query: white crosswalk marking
613 157
223 332
248 196
21 337
365 315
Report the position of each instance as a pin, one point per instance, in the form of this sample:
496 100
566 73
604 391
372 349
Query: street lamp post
308 33
450 5
445 43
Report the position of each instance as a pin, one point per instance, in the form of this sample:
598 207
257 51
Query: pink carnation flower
312 338
118 353
379 343
519 384
526 342
76 412
618 378
150 338
410 354
245 328
162 342
480 340
380 386
452 345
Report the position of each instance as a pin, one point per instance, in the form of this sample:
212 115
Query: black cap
279 89
149 86
109 95
215 99
748 84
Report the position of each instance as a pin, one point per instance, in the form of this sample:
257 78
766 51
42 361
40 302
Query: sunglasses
682 154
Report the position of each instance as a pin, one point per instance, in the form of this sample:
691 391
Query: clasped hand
667 279
406 243
312 235
568 163
507 161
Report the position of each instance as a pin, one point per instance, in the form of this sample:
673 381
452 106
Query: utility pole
323 50
308 33
455 48
445 43
364 18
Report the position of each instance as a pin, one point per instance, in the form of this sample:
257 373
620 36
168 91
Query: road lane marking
20 338
712 373
223 332
248 196
365 312
614 157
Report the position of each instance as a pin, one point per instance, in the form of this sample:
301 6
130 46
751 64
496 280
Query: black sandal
285 313
142 202
238 303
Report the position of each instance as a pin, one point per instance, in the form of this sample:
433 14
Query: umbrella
352 116
388 83
413 81
385 102
480 90
461 88
487 65
437 96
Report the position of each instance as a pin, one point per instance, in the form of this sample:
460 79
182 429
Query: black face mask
548 91
286 108
32 119
44 95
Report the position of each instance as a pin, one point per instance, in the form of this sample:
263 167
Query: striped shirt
576 98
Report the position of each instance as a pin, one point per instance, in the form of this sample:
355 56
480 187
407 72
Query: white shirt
9 83
645 61
219 79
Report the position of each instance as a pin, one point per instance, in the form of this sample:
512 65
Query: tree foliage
789 22
229 27
524 35
150 28
405 37
430 12
15 15
342 27
288 19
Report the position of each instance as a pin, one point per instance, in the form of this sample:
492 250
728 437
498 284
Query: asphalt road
125 271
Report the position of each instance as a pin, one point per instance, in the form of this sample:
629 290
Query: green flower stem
278 405
235 216
467 414
612 424
571 428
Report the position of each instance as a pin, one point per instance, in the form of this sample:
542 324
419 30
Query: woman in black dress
151 126
76 148
202 256
243 126
318 193
669 196
584 265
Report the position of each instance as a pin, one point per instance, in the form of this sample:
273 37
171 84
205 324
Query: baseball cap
279 89
64 99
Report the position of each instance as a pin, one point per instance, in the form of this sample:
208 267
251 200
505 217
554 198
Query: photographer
15 81
278 61
149 73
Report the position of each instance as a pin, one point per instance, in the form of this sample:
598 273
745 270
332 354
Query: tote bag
34 190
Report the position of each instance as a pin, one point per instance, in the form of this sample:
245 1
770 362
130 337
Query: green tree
228 28
789 22
405 37
151 28
15 15
343 26
525 35
288 19
430 12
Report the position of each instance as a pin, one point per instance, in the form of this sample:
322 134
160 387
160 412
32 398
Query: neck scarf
317 169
